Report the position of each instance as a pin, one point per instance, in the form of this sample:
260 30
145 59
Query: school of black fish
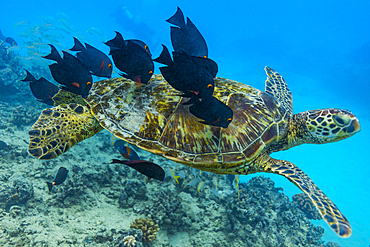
190 71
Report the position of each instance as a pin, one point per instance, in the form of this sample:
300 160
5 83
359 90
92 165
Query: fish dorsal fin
54 54
177 19
29 77
164 57
117 42
78 45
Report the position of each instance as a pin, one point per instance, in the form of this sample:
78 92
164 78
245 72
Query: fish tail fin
164 57
117 42
29 77
50 186
78 46
54 54
177 19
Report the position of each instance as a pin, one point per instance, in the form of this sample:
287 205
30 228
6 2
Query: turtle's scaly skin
155 119
71 124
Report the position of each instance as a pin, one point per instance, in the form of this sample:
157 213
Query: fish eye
341 120
150 72
205 56
229 119
209 86
110 66
88 83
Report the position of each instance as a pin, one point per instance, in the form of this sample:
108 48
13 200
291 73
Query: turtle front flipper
59 128
328 210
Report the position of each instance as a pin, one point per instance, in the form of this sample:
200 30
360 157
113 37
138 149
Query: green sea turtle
155 119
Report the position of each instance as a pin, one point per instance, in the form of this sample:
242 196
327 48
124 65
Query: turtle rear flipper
328 210
59 128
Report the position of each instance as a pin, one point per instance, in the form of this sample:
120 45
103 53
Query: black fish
185 74
59 178
212 112
186 37
95 60
70 72
133 58
42 89
142 45
11 41
146 168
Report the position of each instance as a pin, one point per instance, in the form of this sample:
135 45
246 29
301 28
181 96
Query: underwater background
321 48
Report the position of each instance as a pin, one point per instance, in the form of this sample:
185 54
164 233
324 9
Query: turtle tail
59 128
328 210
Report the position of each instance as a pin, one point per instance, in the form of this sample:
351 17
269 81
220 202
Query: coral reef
263 216
167 211
129 241
304 203
131 238
147 226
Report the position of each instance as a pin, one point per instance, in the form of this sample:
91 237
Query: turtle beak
353 128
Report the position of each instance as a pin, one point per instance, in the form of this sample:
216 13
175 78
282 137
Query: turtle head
330 125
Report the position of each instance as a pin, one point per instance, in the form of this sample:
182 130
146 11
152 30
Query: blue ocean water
322 49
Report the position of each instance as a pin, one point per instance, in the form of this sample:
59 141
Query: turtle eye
341 120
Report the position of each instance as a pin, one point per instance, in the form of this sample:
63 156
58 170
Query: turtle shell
154 119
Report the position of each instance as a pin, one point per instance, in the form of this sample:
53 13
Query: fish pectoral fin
328 210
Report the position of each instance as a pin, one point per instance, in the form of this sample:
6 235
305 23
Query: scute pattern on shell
155 119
